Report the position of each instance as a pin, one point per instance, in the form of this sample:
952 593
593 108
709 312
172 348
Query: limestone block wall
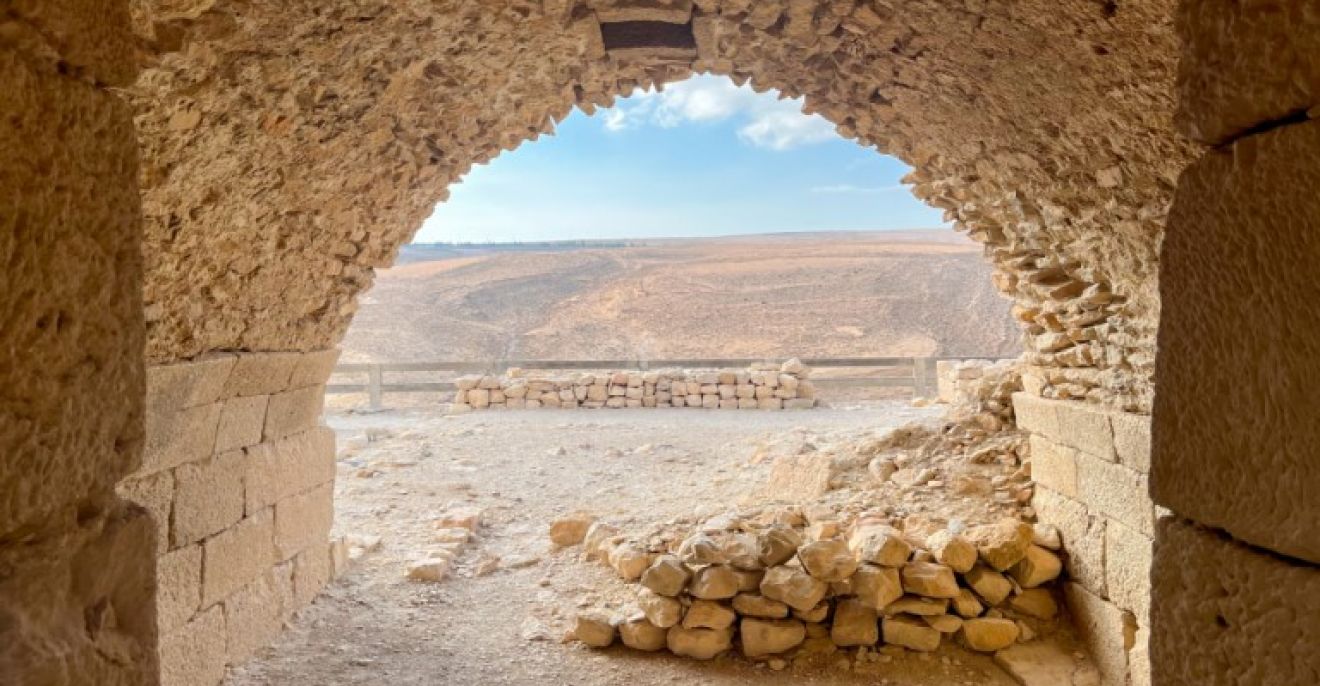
76 591
1091 467
760 387
1236 445
238 475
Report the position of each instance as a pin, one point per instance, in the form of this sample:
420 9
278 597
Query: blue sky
701 158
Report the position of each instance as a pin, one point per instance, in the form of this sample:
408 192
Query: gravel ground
399 470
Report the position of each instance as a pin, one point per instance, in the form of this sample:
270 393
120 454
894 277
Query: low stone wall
763 387
1091 470
238 474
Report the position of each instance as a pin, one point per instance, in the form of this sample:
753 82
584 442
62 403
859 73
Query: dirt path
503 627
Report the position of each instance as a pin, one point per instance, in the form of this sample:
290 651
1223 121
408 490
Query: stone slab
1245 63
1226 614
1236 444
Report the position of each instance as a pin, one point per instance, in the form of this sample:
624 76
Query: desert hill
858 294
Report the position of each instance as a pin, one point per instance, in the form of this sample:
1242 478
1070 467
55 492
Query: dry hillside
908 293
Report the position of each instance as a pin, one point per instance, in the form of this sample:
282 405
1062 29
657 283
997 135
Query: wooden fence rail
917 373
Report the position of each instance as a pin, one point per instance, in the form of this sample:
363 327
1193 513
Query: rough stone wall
760 387
1236 445
290 147
238 475
75 562
1091 467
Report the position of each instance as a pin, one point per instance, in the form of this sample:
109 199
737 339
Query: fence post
374 391
924 371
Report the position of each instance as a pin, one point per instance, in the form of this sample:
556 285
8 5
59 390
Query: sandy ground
375 627
913 293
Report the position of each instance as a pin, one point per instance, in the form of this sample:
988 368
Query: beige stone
1235 455
1129 556
667 576
778 545
595 629
195 653
1035 602
431 569
1082 534
990 585
882 545
661 611
910 633
952 550
178 587
945 624
1108 631
237 555
708 614
241 422
698 644
260 374
877 586
176 437
855 624
929 579
209 497
756 605
793 586
253 617
155 493
988 635
715 582
1039 567
967 605
918 606
1002 544
1054 466
1115 491
828 560
629 560
294 464
640 634
760 637
303 521
570 530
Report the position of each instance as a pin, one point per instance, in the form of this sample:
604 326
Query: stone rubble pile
453 530
759 387
781 583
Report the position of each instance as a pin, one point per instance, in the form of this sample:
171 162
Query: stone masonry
238 475
1091 468
760 387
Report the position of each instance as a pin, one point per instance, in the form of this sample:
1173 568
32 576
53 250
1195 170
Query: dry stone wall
1042 127
238 476
760 387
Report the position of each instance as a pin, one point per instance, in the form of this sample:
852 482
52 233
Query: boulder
778 545
1035 602
966 605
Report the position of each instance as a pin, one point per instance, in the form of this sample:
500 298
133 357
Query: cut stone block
1227 614
1236 452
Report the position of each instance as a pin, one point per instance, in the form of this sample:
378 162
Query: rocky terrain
862 294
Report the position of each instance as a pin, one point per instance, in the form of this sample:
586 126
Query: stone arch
289 151
286 149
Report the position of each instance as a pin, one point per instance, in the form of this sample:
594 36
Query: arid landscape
842 294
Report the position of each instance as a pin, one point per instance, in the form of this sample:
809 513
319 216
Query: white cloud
766 120
849 188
